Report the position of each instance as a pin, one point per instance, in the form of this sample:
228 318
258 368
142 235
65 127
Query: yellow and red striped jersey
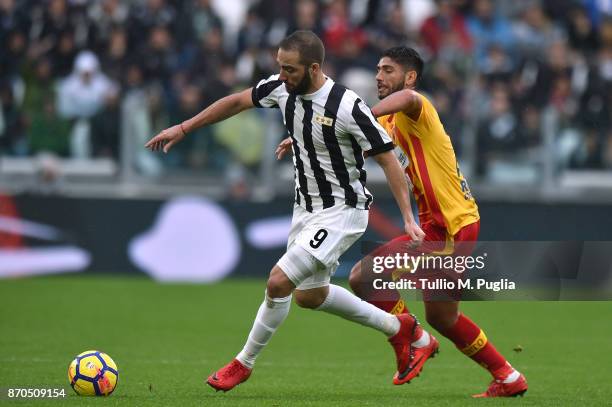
440 189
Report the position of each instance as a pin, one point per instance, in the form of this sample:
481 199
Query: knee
279 285
441 321
311 299
355 277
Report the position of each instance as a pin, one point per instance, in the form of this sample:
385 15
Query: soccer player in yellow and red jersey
447 213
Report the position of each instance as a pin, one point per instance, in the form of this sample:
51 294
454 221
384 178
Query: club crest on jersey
324 121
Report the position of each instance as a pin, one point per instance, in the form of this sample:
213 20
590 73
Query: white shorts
326 235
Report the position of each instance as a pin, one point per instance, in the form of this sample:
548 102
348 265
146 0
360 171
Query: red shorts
437 243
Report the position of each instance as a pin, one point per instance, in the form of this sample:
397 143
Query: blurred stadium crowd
88 78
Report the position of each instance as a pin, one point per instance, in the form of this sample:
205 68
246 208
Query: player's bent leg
311 298
317 293
272 312
472 341
341 302
361 281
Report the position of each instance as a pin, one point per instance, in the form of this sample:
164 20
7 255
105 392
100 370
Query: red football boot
498 388
229 376
401 341
418 358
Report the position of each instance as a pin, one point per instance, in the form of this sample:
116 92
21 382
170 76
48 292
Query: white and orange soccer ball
93 373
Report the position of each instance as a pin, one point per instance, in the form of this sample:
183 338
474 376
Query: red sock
472 341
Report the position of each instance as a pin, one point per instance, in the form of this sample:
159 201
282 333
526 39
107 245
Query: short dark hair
407 57
308 44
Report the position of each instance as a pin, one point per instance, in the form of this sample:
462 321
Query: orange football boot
498 388
229 376
418 358
409 363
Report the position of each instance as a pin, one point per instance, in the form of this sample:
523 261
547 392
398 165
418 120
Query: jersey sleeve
371 136
424 120
267 91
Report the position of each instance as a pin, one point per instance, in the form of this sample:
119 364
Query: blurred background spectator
82 97
96 78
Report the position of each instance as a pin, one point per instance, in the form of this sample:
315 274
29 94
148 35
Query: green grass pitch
167 338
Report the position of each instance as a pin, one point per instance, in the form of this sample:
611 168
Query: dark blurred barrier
486 270
194 239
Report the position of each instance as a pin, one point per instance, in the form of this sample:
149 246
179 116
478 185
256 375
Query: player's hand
166 139
415 232
282 148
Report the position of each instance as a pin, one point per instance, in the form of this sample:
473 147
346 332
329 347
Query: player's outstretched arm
397 183
220 110
406 101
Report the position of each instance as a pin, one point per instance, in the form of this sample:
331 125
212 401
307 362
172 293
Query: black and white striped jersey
330 130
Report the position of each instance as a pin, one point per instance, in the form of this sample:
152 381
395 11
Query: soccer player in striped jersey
447 213
330 128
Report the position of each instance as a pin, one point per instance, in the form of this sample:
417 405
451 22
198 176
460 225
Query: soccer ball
93 373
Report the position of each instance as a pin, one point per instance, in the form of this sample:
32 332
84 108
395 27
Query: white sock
343 303
422 341
512 376
271 314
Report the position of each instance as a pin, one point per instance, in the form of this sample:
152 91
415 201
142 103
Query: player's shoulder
271 82
267 92
271 78
426 108
424 100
